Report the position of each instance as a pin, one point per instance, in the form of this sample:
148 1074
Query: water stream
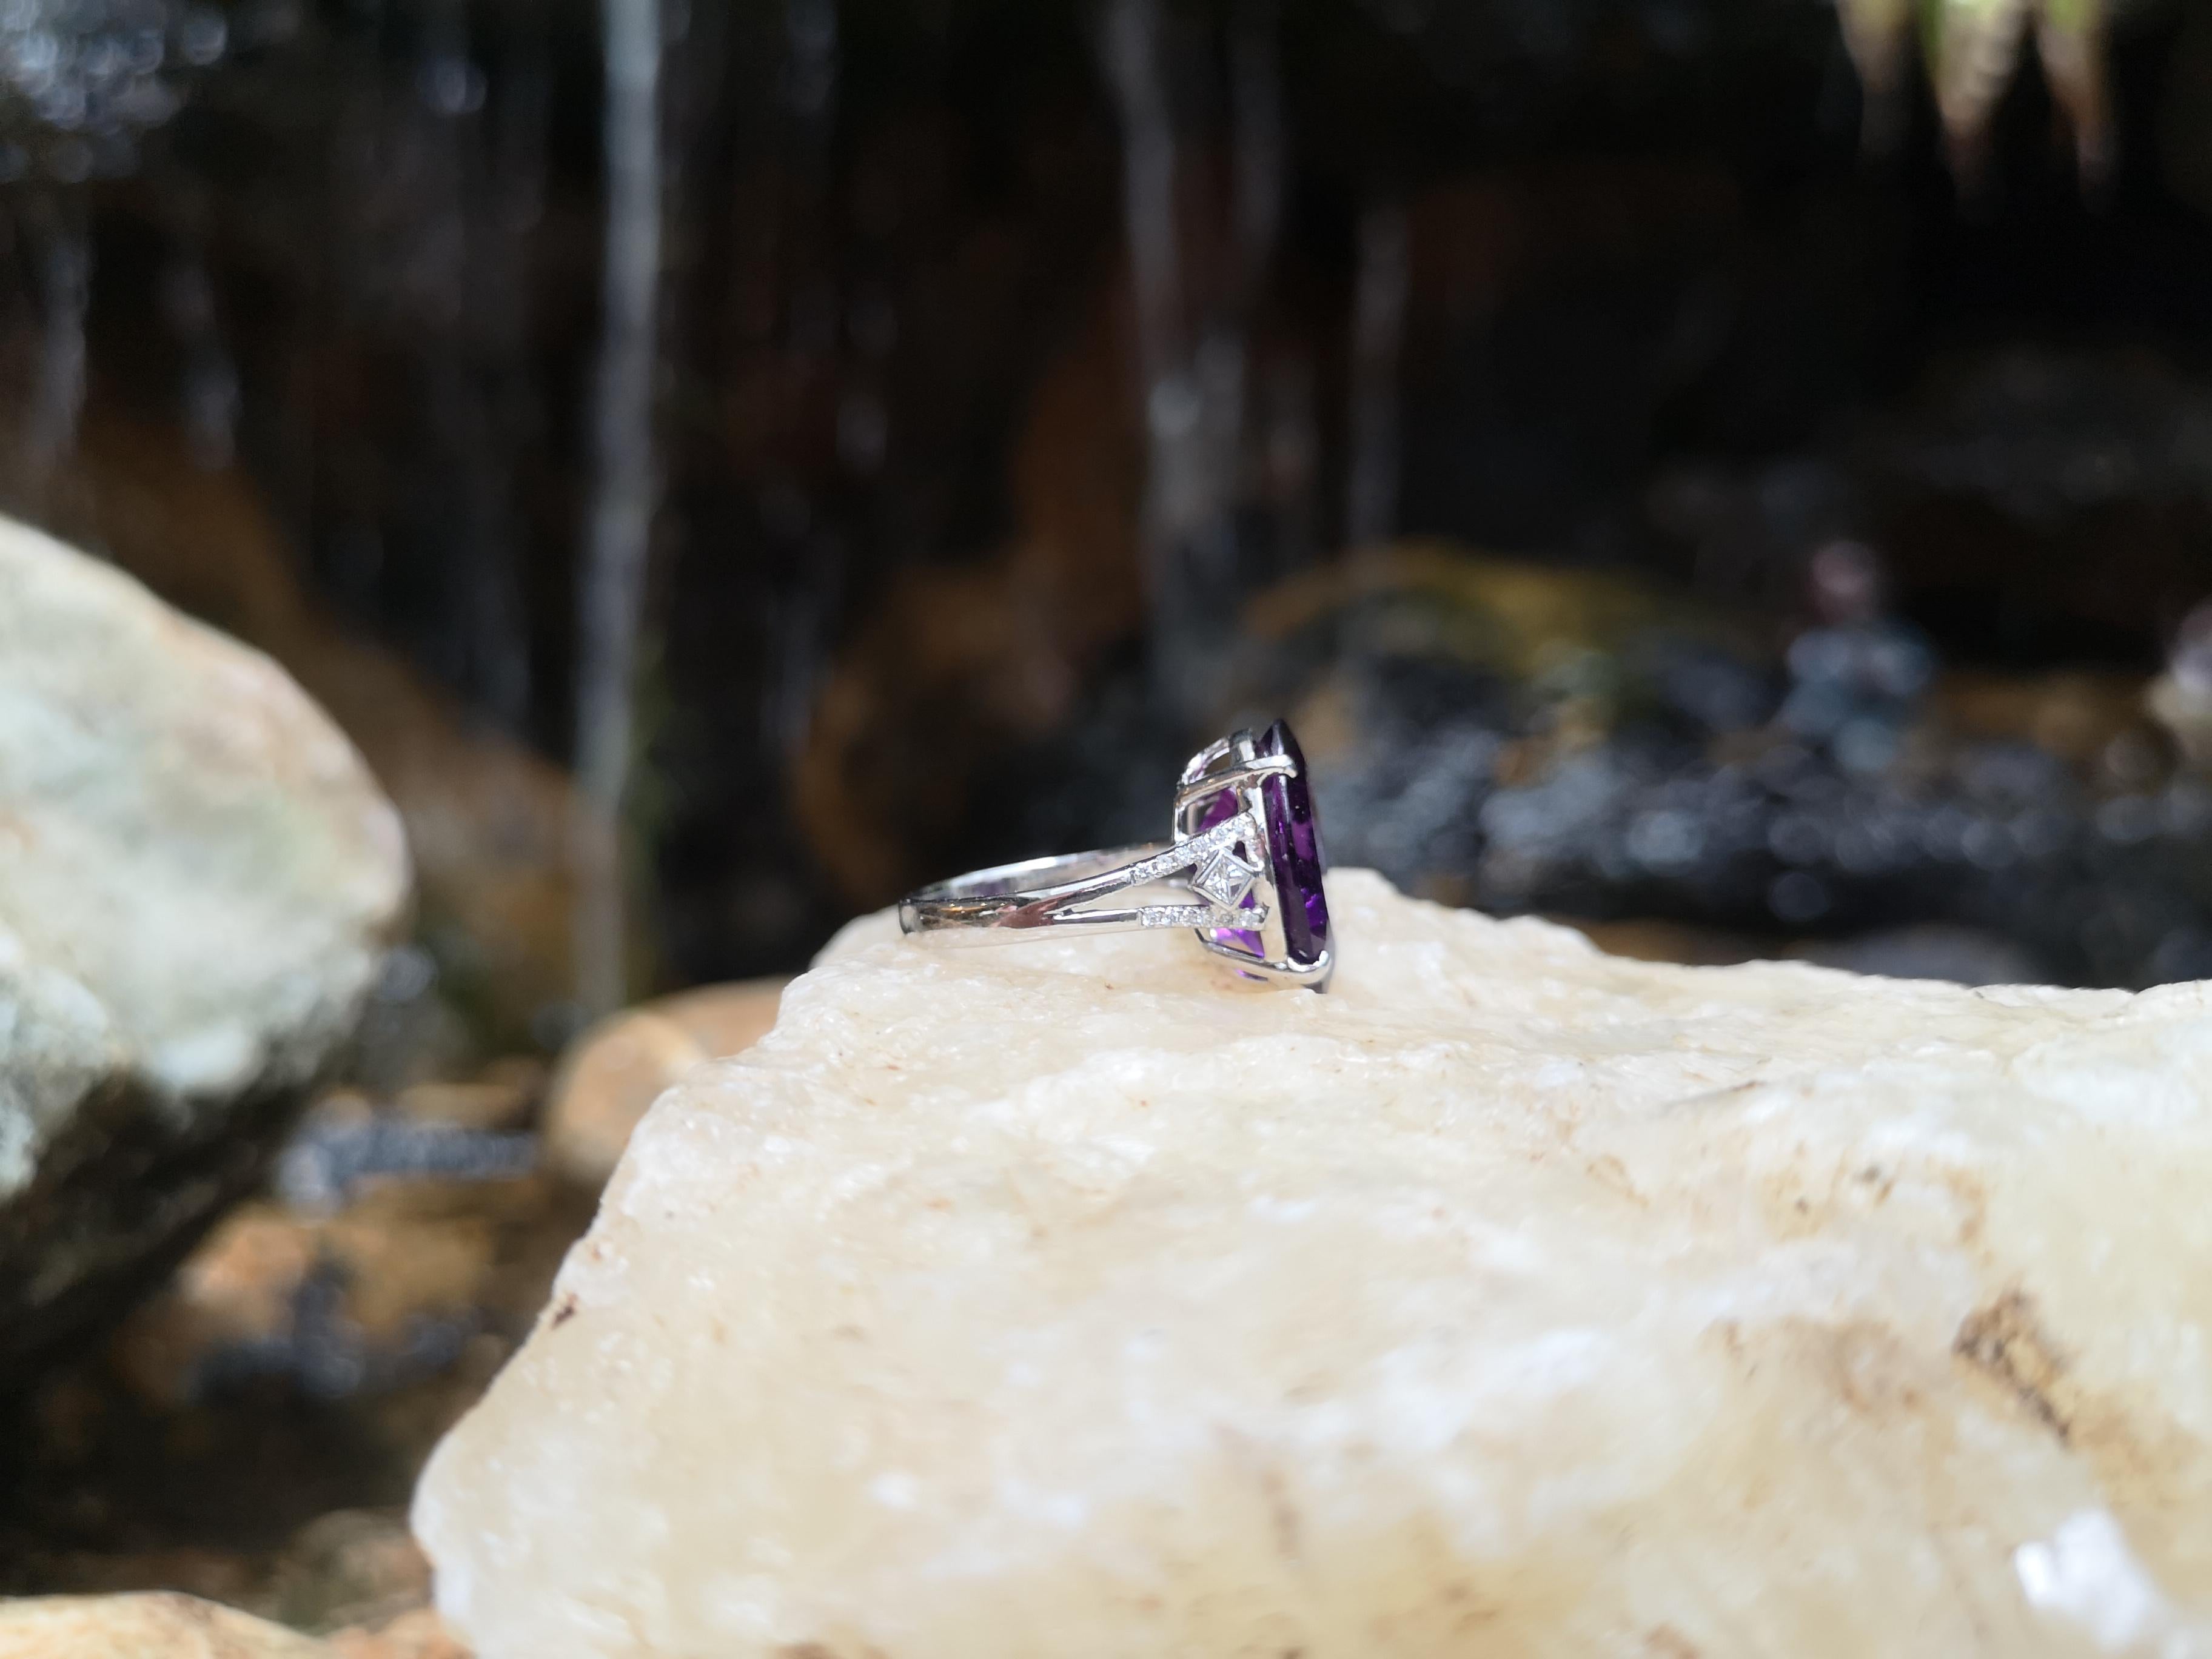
624 491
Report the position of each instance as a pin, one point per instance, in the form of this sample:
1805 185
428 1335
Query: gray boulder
198 879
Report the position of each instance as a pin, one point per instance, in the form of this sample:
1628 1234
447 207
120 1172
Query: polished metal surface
1199 881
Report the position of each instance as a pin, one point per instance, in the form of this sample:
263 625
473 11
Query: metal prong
1279 972
1242 776
1219 750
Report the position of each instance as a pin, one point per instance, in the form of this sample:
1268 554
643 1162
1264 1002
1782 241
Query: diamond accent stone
1225 877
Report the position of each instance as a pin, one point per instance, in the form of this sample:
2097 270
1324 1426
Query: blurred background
1733 474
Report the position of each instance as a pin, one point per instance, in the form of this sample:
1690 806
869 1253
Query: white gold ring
1245 873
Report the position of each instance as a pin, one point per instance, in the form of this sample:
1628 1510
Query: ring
1247 847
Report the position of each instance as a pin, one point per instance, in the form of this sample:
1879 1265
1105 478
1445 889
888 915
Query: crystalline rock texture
1072 1300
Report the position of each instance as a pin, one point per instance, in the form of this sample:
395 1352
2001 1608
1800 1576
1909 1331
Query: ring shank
1008 900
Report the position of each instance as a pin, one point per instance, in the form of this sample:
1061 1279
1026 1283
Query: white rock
614 1071
1510 1299
198 881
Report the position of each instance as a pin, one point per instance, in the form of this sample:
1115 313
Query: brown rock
237 1287
618 1068
405 1255
350 1569
414 1250
157 1624
501 1096
296 1360
2077 715
1650 939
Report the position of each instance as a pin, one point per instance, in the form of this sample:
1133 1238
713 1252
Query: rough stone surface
164 1624
197 880
157 1624
418 1635
1512 1298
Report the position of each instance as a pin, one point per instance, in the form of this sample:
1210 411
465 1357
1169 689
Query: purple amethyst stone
1294 839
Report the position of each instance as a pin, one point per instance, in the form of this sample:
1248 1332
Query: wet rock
249 1429
392 1288
199 880
152 1626
350 1570
1509 1297
500 1099
237 1290
338 1150
235 1436
617 1069
1580 743
2035 505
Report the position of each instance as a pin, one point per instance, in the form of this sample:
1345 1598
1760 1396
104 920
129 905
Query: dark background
1642 297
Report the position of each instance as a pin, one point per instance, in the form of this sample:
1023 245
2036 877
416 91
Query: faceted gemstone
1294 838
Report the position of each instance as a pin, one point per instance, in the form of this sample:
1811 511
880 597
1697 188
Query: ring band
1245 873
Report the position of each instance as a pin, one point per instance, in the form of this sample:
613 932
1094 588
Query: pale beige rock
198 879
157 1624
418 1635
618 1068
1512 1298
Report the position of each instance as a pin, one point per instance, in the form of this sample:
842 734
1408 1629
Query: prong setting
1246 846
1252 779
